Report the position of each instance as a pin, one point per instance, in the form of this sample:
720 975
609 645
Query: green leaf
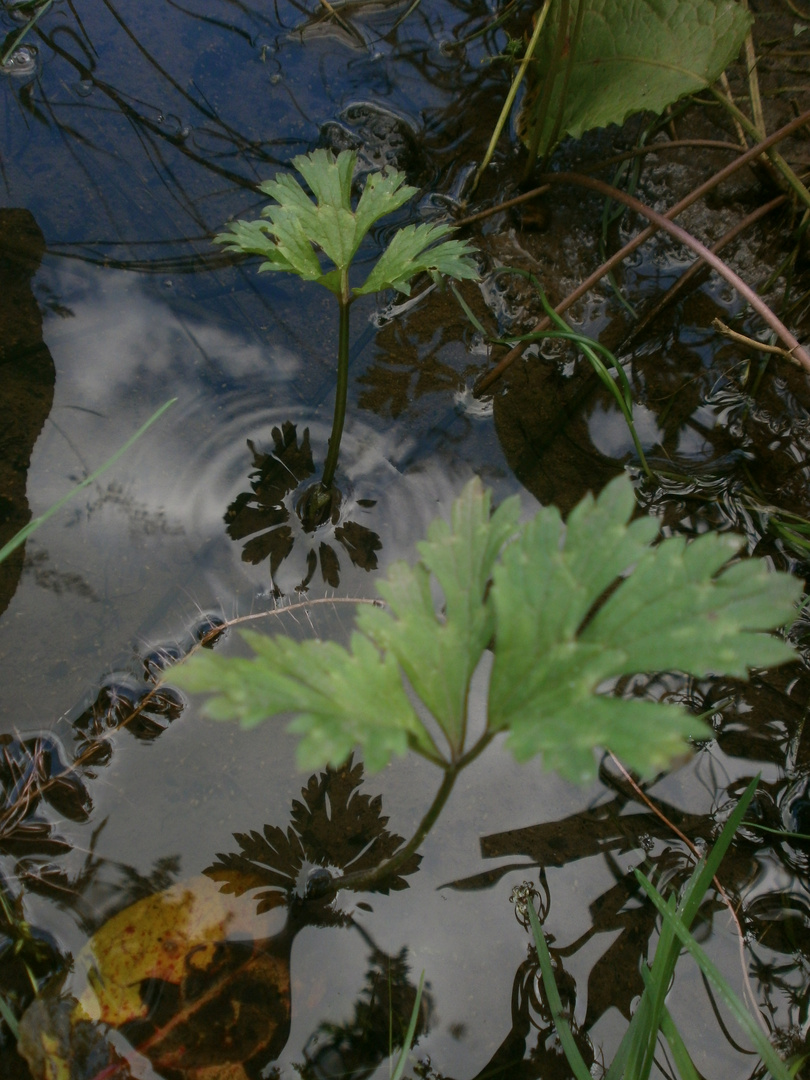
410 253
580 604
293 227
680 614
342 698
568 607
439 653
630 57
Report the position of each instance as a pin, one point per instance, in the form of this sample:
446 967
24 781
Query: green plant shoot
317 239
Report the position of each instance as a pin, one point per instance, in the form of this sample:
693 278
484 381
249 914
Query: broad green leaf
439 652
580 604
561 716
630 57
341 698
410 253
548 581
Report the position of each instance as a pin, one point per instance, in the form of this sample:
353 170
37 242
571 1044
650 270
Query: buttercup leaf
568 608
681 614
293 227
341 698
410 252
440 653
560 637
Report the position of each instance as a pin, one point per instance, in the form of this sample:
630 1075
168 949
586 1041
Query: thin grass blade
667 950
773 1062
10 1018
408 1044
561 1026
32 526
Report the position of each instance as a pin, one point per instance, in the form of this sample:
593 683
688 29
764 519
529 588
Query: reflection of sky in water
611 436
150 542
141 550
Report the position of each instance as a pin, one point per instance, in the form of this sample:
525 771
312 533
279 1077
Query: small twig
10 814
507 205
655 310
752 343
757 303
342 22
753 81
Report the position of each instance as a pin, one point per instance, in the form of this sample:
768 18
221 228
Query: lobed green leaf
440 653
294 226
410 252
570 606
341 698
678 613
583 603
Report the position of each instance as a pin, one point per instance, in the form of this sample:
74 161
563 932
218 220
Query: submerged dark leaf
362 544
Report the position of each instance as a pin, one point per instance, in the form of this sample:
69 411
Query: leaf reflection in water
194 981
267 514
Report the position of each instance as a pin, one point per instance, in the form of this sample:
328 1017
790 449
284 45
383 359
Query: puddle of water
144 135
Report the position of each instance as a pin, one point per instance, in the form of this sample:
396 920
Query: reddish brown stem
684 279
793 345
490 377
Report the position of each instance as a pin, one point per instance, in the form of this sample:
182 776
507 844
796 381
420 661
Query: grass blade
32 526
680 1055
408 1044
561 1025
773 1062
9 1017
667 950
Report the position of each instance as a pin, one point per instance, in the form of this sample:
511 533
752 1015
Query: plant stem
364 879
789 176
794 347
17 41
341 394
510 97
